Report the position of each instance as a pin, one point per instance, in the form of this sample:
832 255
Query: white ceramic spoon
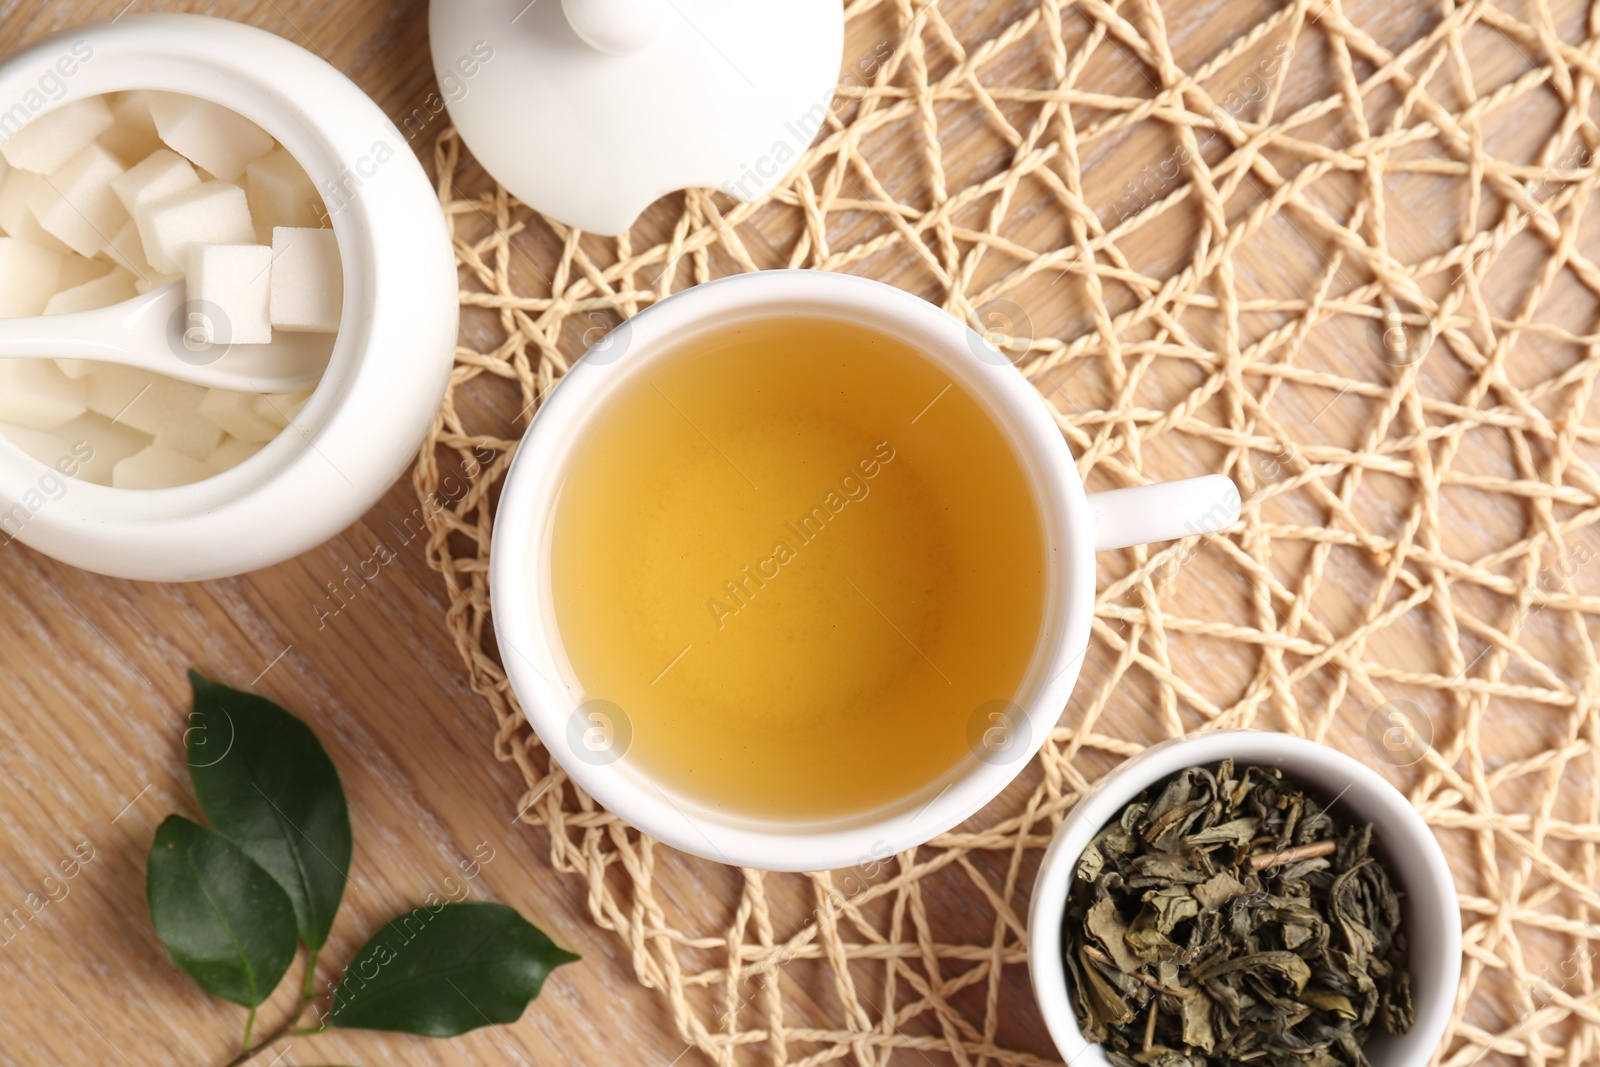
158 332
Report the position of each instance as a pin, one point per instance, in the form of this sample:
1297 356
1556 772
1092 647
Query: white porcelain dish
1432 913
395 345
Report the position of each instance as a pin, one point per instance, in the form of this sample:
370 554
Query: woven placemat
1336 251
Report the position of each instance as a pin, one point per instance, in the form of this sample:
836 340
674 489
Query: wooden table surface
93 704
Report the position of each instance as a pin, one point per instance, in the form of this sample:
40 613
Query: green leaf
443 971
224 921
267 785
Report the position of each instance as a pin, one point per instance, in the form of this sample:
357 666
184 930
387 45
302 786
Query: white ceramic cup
396 341
1431 912
1074 526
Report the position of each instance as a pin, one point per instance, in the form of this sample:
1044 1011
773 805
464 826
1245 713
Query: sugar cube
16 218
113 390
114 288
168 401
230 453
159 174
34 393
237 414
76 269
76 273
214 213
139 399
273 410
209 135
54 137
132 135
154 280
281 194
101 444
126 250
231 285
29 275
157 468
77 204
281 409
307 282
46 447
194 437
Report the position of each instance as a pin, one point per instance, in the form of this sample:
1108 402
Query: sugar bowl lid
589 110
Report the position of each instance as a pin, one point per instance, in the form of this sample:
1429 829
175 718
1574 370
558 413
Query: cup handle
1164 511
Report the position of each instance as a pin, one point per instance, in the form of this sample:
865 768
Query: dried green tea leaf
1285 966
1224 917
1217 890
1168 907
1103 996
1197 1031
1110 930
1091 864
1328 1000
1238 832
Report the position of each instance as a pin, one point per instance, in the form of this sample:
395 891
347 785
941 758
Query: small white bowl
396 342
1431 913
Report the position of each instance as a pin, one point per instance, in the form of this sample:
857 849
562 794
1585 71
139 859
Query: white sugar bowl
392 354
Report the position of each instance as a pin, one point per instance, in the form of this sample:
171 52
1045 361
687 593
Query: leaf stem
308 992
249 1022
1100 957
248 1052
1316 849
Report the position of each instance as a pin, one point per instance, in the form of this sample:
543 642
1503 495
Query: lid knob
616 27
